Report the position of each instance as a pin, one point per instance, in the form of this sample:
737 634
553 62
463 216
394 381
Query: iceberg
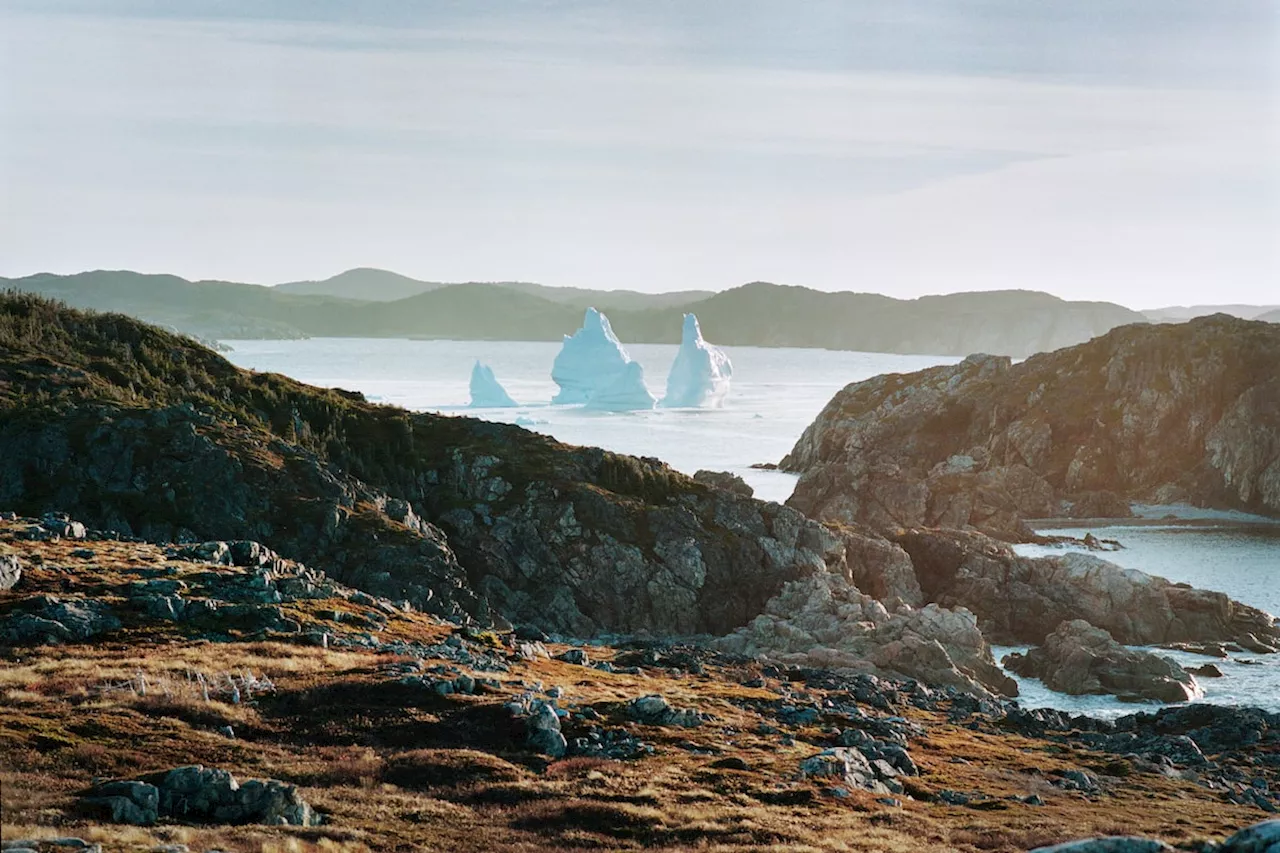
625 393
590 360
701 372
486 391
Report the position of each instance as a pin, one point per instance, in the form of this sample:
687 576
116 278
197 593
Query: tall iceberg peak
486 391
625 393
701 372
591 359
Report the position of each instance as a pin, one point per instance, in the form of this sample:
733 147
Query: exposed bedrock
823 621
1023 599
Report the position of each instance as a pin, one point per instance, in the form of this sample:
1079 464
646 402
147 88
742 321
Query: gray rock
824 621
542 728
575 656
987 443
10 571
203 795
1080 659
654 710
847 765
57 620
1023 599
1260 838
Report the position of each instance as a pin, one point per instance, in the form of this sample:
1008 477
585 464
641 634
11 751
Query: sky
1122 150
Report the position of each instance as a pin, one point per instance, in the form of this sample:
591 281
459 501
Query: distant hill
207 309
1270 316
375 285
1016 323
362 283
1182 313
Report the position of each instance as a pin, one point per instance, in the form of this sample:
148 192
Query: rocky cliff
149 434
1155 413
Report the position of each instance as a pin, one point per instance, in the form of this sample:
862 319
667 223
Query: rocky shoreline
487 589
841 736
1138 414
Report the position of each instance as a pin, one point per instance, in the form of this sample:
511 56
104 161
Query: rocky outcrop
50 620
1023 599
724 480
1080 659
167 441
1162 414
880 568
198 794
823 621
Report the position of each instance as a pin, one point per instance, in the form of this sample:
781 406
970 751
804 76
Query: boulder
10 571
654 710
543 725
1260 838
1080 659
841 763
851 768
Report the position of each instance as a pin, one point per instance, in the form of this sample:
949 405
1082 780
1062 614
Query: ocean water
1239 558
776 393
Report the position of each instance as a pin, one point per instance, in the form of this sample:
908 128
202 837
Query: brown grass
397 768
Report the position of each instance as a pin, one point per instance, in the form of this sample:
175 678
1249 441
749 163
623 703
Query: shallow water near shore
775 395
1240 559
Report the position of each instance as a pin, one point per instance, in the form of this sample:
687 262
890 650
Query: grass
400 768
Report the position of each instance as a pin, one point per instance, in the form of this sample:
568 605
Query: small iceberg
590 360
486 391
701 372
626 393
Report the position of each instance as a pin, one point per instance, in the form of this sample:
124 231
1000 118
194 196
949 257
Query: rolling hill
1016 323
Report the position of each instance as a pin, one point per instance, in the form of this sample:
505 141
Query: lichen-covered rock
199 794
542 727
10 571
851 768
1080 659
1154 413
1023 599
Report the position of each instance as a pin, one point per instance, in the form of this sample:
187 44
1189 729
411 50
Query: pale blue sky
1102 149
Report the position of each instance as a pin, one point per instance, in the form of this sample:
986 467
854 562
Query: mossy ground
399 768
